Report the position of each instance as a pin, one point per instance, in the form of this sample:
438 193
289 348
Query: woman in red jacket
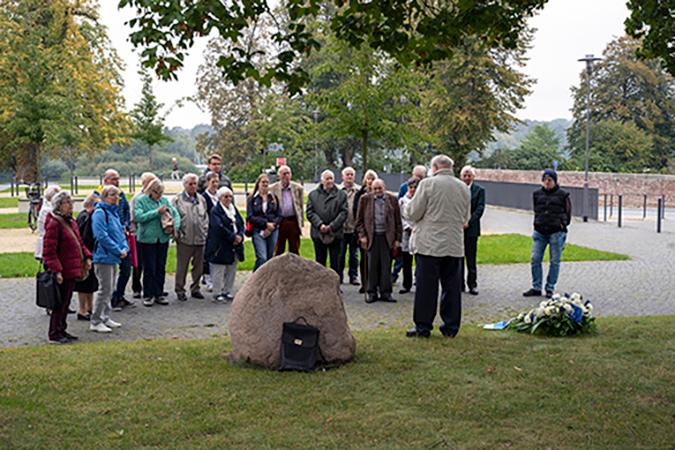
65 254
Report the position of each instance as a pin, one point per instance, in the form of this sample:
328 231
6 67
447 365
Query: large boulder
283 289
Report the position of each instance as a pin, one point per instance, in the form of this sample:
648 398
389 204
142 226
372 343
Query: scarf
231 213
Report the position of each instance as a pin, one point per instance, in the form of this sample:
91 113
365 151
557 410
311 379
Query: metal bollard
605 208
11 187
72 185
100 180
644 206
246 185
620 208
77 182
663 207
658 215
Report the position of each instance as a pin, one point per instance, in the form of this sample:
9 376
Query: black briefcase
299 346
47 293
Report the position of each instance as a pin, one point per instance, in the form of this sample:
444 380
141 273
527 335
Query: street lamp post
315 115
589 60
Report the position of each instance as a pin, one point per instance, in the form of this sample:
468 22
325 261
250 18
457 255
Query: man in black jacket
552 215
472 229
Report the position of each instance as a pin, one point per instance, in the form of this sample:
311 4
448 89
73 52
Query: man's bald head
111 176
378 187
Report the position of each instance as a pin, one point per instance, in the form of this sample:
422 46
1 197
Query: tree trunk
364 151
347 154
27 163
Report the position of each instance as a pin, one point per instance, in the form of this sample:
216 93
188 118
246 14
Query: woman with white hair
65 255
45 209
156 219
224 244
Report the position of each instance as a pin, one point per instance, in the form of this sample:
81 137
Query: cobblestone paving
645 285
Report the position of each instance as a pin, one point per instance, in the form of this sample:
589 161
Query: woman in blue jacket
262 211
109 249
224 244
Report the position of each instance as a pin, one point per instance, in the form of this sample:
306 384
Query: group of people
360 229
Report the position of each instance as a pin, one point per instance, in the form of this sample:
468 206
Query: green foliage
59 83
536 152
614 147
474 94
410 32
652 21
628 90
612 390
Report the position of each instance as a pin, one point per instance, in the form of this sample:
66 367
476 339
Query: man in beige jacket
440 209
291 198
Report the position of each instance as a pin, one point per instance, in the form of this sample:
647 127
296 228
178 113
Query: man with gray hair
327 212
472 229
111 177
291 198
350 242
440 208
190 237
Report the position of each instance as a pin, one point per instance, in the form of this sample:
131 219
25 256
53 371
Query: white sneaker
112 324
99 328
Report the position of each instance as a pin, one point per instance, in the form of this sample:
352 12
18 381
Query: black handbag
47 290
299 346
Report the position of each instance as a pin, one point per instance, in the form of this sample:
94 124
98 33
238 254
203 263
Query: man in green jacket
327 212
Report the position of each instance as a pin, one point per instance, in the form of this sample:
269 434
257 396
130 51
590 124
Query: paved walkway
645 285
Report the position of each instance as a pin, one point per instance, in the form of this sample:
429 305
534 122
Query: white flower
528 319
575 296
556 297
568 308
543 304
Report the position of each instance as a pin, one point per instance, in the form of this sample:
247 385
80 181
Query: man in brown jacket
291 199
378 224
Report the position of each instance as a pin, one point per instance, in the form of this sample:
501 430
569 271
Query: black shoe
463 288
549 294
197 294
388 299
63 340
165 294
124 303
161 301
71 311
414 332
354 281
532 293
404 291
362 290
448 333
86 317
372 298
70 337
137 295
182 297
473 291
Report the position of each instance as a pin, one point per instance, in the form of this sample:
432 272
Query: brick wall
632 186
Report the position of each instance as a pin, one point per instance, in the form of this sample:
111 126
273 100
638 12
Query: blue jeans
264 247
122 280
556 243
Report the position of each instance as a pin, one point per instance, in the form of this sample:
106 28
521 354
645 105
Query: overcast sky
566 31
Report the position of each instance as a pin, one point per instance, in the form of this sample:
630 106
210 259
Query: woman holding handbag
63 253
263 218
156 219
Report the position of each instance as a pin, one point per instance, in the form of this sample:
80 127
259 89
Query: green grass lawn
480 390
13 220
492 249
9 202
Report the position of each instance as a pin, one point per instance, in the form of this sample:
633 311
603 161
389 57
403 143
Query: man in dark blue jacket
552 216
472 229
